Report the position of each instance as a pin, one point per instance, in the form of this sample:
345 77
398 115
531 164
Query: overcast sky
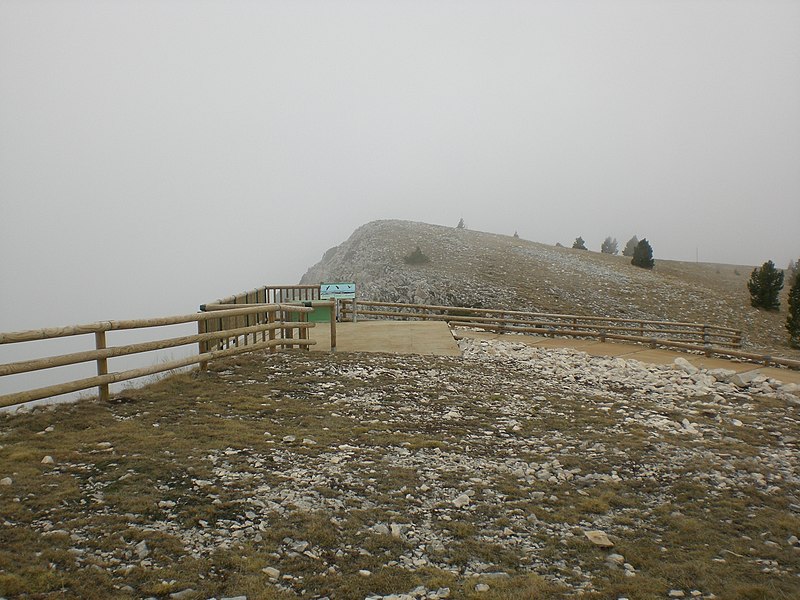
157 155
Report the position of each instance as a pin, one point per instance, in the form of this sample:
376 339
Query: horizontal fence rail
268 331
700 337
552 323
288 311
274 294
267 294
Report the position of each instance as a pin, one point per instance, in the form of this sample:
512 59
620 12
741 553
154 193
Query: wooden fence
289 296
700 337
274 294
268 324
553 324
287 313
268 294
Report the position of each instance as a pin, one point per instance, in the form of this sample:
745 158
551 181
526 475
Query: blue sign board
337 290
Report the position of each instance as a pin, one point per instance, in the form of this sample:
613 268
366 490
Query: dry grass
71 529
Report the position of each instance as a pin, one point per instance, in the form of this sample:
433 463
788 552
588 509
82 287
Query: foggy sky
157 155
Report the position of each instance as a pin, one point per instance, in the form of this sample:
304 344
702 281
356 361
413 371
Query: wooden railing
700 337
274 294
553 324
268 324
268 294
284 295
287 313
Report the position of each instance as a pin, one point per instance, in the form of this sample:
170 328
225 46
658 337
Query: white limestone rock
685 366
461 501
599 538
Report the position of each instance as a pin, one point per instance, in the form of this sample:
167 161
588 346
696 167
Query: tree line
640 251
765 285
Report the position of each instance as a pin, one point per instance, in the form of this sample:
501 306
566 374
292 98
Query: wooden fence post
271 321
333 326
202 346
286 332
102 364
303 332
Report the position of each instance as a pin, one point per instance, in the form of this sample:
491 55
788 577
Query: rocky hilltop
477 269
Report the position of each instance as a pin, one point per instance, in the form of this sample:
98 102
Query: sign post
337 291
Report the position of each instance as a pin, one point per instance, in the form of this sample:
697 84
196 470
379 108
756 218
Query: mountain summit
477 269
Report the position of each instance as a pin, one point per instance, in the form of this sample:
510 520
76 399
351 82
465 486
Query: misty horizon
155 156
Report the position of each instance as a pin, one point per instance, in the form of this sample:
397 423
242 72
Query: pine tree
579 244
765 286
417 257
460 223
630 246
792 269
643 255
609 246
793 320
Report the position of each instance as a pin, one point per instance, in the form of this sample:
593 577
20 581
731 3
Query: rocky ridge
475 269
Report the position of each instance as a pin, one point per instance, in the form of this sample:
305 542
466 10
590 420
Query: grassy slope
199 468
508 272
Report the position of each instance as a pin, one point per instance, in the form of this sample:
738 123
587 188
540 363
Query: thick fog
157 155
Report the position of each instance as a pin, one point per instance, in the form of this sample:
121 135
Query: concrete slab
393 337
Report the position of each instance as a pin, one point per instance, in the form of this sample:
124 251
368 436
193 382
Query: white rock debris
503 444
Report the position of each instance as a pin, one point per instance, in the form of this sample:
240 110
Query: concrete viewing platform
392 337
436 338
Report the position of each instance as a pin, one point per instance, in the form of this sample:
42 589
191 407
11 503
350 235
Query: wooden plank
271 321
83 384
468 310
202 345
56 332
333 327
102 364
117 351
554 326
264 307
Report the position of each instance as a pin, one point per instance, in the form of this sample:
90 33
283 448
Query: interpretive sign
337 290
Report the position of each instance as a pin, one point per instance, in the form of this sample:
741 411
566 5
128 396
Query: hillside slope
471 268
365 476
